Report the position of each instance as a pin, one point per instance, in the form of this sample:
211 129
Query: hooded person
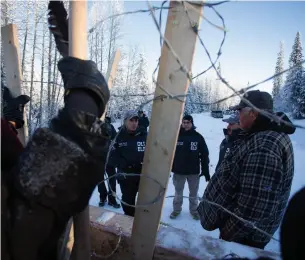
127 156
111 171
143 120
254 179
191 161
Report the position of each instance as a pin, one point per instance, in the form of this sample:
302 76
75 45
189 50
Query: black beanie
189 118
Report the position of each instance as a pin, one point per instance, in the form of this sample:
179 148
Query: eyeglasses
186 122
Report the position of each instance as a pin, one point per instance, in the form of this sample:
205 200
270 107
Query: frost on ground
211 129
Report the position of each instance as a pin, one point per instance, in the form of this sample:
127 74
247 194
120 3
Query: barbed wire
168 95
267 114
181 98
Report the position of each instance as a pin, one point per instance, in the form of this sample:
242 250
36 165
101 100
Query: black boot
112 202
102 203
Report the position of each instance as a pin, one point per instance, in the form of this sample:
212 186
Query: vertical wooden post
11 56
111 72
78 48
164 127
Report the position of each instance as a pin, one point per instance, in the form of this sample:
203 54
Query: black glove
207 176
13 108
133 168
58 25
84 75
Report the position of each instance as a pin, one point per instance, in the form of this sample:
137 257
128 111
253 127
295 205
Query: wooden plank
78 48
164 126
111 73
11 56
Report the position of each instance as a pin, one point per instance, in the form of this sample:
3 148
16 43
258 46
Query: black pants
112 182
129 187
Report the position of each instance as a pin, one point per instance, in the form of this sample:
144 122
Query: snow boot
174 215
112 202
102 203
195 216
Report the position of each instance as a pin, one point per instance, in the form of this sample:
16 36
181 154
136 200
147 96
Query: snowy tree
141 79
279 67
292 94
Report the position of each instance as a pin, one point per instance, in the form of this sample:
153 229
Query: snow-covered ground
211 129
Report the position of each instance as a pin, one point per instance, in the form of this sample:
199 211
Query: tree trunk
41 77
49 73
25 39
32 74
54 86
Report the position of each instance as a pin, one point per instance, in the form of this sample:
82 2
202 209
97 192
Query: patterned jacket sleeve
204 156
259 181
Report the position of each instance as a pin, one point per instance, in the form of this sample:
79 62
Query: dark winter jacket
11 148
113 132
191 153
253 181
128 151
51 182
143 122
226 144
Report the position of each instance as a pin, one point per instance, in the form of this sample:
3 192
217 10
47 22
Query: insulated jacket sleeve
113 132
146 121
260 183
204 159
114 156
10 146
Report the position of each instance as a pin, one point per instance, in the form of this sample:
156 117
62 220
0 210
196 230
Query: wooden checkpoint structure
111 73
11 56
78 46
165 120
164 126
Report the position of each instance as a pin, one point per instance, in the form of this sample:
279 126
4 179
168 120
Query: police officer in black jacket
110 170
143 120
231 133
191 154
128 156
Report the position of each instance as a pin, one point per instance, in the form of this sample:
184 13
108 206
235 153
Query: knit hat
130 114
189 118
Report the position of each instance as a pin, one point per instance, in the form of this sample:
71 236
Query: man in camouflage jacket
254 180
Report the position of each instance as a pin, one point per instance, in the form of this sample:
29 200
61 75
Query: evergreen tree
279 67
141 82
294 82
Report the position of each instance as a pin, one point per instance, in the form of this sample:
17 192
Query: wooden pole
78 48
164 127
11 56
111 72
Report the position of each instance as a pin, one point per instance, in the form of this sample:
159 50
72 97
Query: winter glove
58 25
207 176
84 75
134 168
13 108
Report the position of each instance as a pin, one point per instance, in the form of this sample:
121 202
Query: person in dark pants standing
143 120
127 156
231 134
191 154
110 170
